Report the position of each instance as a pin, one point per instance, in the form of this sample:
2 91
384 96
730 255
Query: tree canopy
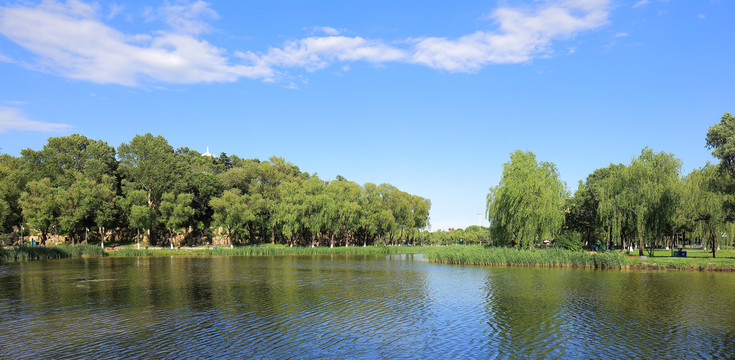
149 190
527 206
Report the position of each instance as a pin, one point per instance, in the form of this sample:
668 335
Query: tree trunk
640 244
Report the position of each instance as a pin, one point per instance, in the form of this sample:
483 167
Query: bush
569 240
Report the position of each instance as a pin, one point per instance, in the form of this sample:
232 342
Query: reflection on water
392 306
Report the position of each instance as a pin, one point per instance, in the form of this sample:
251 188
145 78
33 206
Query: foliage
569 240
149 191
526 207
639 201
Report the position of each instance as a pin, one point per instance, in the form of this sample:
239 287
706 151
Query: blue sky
431 97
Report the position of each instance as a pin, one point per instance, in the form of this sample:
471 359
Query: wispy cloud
326 30
4 58
13 119
522 35
640 3
621 35
71 39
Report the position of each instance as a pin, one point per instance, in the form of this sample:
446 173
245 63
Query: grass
257 250
19 253
698 263
497 256
65 251
501 256
691 253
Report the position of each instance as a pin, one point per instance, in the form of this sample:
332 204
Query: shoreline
450 255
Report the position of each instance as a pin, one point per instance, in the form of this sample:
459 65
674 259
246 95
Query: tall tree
701 211
721 139
150 164
643 196
527 206
63 157
40 204
13 179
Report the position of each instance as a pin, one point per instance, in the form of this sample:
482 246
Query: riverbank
559 258
453 254
22 253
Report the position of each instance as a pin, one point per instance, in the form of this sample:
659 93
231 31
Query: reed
501 256
255 251
20 253
266 250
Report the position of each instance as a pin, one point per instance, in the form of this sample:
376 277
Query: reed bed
255 251
267 250
20 253
501 256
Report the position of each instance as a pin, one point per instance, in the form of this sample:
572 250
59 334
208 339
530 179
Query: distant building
207 153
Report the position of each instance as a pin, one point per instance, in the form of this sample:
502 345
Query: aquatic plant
504 256
18 253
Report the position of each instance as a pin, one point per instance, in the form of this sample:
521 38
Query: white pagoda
207 153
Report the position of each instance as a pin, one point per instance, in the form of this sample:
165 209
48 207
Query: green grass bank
21 253
254 251
502 256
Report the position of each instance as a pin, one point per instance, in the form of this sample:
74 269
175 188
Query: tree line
145 189
645 204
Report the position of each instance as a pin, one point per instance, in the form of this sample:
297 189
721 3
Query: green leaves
527 206
721 139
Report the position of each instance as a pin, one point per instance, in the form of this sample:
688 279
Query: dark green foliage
77 189
569 240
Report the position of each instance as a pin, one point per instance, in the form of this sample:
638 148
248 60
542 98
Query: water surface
394 306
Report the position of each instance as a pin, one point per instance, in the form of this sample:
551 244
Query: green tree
233 211
150 164
701 212
527 206
641 199
63 157
40 206
13 180
176 213
721 139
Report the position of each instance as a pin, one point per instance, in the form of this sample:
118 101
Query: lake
373 307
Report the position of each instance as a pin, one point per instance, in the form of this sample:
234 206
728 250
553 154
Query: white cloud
523 35
621 34
326 30
640 3
315 53
187 18
702 17
14 119
71 39
4 58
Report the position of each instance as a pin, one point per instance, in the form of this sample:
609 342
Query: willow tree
701 212
527 206
642 197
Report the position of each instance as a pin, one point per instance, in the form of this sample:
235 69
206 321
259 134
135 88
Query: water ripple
356 307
